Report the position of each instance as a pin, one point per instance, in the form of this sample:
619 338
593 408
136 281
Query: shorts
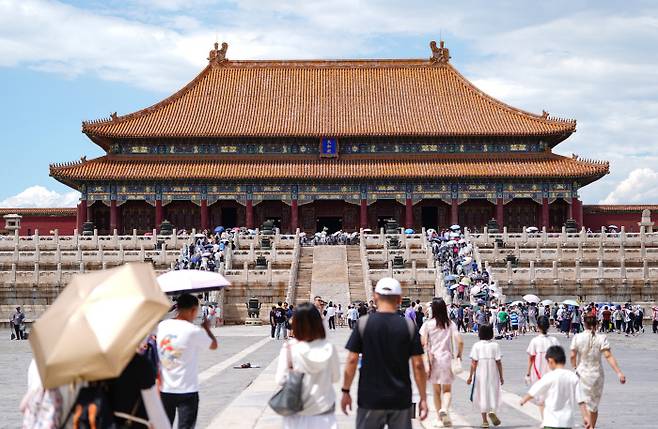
377 419
515 327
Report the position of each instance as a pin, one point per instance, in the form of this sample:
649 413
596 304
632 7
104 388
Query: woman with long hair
537 364
442 342
309 352
586 350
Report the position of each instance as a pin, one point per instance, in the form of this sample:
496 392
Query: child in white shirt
560 390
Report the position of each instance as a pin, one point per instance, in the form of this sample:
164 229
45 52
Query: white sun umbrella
532 229
572 302
455 227
191 281
547 302
367 230
613 227
475 290
531 298
431 231
516 303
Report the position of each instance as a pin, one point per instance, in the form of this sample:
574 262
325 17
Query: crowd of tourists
207 251
325 238
388 347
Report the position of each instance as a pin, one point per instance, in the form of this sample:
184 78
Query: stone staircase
355 274
304 275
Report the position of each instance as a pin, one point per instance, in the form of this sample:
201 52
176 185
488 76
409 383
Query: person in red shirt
607 319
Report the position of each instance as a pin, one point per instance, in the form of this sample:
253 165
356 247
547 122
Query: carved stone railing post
35 279
505 234
486 235
508 267
556 273
269 273
578 273
622 271
532 272
58 275
599 272
579 255
413 271
390 268
645 271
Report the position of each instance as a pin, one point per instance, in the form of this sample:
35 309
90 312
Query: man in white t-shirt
179 345
561 391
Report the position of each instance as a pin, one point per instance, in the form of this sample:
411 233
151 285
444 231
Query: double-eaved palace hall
336 143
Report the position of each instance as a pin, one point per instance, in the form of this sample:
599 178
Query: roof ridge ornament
441 54
217 55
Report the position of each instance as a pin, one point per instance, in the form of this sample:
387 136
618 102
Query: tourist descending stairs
355 274
304 275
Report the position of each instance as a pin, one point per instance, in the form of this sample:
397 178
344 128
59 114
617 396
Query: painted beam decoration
306 192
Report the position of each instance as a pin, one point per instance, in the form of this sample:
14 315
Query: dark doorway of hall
229 217
430 217
332 224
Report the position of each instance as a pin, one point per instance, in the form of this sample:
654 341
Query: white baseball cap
388 286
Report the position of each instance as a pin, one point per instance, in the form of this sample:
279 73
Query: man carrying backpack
179 345
386 342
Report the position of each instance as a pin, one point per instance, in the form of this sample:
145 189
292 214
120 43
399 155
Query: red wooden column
158 214
454 211
113 216
82 215
204 214
250 214
577 211
363 213
544 213
294 215
409 213
500 213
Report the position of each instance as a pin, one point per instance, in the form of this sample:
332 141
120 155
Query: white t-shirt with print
179 343
331 311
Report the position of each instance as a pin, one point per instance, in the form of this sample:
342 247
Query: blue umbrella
450 277
219 229
409 231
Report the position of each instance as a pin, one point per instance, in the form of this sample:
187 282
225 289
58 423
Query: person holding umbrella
179 344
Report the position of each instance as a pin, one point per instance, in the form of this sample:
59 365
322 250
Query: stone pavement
238 397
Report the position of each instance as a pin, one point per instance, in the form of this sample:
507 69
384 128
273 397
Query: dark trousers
19 333
273 330
332 322
350 323
655 326
187 405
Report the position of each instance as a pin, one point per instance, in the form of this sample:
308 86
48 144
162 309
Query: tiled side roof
329 98
345 168
619 208
40 211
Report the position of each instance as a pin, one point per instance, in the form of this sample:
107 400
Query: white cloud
638 188
39 196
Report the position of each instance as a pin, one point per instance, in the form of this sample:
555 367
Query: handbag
288 400
455 362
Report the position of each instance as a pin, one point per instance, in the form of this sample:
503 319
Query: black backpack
92 408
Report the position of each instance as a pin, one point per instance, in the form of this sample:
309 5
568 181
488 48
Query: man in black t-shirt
386 342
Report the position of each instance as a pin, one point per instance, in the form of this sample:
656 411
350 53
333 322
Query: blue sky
62 62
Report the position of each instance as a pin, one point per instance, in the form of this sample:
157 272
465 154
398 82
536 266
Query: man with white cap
386 342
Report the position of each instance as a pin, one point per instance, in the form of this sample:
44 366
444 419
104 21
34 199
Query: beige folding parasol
93 328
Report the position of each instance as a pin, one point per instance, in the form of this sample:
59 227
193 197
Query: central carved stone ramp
355 274
330 279
305 270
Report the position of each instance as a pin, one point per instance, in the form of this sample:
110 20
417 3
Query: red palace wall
628 217
45 224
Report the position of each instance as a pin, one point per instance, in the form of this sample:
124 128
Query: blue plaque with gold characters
329 147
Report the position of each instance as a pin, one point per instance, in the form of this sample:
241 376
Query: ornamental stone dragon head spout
217 55
440 54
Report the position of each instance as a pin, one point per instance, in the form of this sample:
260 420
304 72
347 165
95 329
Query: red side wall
45 224
629 220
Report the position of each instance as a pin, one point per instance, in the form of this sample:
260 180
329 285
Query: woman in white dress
442 342
317 358
537 364
586 350
487 367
